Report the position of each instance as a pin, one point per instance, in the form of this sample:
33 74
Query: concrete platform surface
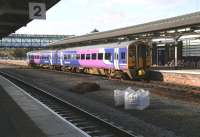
30 118
188 71
180 77
13 121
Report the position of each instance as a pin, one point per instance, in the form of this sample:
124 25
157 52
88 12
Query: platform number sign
37 10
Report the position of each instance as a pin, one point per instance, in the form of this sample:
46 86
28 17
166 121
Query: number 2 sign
37 10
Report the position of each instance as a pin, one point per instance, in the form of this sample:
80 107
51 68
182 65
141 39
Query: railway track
149 84
89 123
175 91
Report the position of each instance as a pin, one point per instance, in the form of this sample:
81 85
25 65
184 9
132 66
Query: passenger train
130 59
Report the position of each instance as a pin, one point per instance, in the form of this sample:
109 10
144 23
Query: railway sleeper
77 120
108 135
88 127
68 114
94 132
72 117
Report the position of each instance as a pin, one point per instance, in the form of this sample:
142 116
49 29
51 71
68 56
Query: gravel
166 117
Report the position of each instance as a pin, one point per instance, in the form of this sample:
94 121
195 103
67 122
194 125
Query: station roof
14 14
160 25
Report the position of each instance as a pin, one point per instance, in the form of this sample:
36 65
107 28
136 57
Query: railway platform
23 116
182 77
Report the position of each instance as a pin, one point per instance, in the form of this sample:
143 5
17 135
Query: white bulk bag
119 97
143 99
137 99
130 100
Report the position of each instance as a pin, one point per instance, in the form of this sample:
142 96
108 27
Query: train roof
107 45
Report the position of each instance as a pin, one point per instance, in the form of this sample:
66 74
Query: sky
79 17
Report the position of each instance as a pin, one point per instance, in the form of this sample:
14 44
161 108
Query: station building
186 50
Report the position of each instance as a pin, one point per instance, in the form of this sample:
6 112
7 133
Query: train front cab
139 60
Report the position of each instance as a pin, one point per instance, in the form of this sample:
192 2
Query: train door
132 56
51 58
137 55
116 58
58 61
61 58
122 58
56 57
141 56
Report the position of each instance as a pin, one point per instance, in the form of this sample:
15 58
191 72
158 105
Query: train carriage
120 59
40 58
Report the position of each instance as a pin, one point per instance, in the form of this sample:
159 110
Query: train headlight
141 72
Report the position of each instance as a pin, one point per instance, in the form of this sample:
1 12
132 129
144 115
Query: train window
82 56
108 56
123 55
78 56
73 56
87 56
68 56
100 56
65 56
94 56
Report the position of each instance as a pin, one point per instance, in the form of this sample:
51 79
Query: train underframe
128 74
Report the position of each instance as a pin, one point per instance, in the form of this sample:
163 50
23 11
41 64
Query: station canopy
187 23
14 14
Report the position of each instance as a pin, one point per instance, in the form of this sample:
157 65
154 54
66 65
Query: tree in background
19 53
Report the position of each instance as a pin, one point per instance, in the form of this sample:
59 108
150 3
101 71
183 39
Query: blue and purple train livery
122 58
